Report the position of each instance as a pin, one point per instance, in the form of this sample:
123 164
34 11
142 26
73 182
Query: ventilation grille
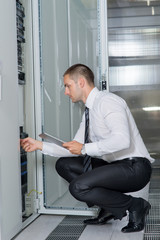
70 228
152 227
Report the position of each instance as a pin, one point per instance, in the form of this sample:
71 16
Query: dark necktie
87 165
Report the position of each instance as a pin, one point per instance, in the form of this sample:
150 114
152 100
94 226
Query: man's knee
78 189
60 164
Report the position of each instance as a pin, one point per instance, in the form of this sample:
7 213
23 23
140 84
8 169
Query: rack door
61 45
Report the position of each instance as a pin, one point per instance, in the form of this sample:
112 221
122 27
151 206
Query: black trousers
106 184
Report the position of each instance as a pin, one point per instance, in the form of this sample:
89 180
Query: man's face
72 89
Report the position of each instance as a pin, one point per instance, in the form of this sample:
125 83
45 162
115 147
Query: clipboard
51 139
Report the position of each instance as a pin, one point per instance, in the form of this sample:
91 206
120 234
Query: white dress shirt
112 130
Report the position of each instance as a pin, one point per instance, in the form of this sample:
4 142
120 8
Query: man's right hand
30 144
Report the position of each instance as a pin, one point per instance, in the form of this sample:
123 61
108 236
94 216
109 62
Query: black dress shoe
137 219
103 217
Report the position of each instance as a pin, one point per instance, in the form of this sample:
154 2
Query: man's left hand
74 147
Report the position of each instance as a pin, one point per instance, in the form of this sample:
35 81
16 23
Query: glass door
67 36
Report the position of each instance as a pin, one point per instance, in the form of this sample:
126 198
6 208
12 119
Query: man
107 157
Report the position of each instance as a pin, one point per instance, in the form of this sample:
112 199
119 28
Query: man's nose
66 91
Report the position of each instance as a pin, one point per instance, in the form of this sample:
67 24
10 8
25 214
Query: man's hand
30 144
74 147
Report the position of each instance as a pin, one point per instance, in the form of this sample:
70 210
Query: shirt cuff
92 149
55 150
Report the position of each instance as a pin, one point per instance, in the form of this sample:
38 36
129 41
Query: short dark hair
80 69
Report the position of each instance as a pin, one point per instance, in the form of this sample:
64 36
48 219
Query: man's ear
81 81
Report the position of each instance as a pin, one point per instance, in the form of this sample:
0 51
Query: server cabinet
10 196
26 93
17 115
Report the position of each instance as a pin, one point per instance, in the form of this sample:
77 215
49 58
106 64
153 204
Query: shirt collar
91 97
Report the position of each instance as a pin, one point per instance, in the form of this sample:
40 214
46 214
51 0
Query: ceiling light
154 108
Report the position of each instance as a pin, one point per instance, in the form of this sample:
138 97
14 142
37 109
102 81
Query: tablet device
51 139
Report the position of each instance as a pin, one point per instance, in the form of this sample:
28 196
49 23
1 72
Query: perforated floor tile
152 227
70 228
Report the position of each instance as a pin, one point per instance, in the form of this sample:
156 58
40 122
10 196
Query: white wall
10 204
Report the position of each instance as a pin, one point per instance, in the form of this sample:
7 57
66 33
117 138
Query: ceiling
131 3
92 4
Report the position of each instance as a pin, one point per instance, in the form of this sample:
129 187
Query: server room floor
51 227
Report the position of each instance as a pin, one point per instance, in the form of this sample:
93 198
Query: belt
134 159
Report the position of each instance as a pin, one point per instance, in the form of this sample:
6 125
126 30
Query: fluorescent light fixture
154 108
